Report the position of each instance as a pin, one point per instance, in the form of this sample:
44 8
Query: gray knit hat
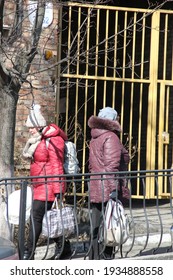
35 118
108 113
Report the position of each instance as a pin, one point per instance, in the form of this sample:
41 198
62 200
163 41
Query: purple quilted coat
106 154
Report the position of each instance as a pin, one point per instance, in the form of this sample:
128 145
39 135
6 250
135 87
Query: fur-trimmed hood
100 125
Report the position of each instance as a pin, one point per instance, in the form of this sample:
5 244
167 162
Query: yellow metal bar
166 82
152 101
143 47
124 67
124 45
105 7
160 138
86 92
96 61
102 78
165 47
166 129
133 45
167 123
141 93
154 76
106 57
132 84
163 153
152 92
161 126
77 72
115 58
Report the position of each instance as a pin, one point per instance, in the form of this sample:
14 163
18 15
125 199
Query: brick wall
43 88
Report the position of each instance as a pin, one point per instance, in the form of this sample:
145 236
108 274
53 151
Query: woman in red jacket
45 150
106 155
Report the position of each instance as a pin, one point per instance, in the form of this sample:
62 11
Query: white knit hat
35 118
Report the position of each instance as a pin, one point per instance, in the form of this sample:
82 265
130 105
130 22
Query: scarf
31 145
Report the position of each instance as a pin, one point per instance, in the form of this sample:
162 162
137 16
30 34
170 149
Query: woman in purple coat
107 154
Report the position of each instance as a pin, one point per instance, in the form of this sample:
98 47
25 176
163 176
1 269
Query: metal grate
119 57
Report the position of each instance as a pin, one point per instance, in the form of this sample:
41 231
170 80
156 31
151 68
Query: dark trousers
35 229
96 248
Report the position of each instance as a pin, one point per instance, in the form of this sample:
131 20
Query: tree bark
8 105
7 127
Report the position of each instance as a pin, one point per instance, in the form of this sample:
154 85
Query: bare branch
16 30
1 18
37 27
24 59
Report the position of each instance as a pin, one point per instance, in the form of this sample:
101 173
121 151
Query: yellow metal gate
119 57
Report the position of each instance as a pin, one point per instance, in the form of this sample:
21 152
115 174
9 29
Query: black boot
108 253
66 250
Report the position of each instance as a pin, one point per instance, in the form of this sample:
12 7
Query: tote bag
116 229
58 221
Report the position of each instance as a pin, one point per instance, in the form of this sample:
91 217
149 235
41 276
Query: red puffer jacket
48 159
107 154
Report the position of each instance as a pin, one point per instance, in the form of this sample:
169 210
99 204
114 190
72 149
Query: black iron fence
150 220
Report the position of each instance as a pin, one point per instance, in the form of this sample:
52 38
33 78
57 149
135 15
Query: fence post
22 216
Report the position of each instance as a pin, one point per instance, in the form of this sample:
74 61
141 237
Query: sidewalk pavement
150 237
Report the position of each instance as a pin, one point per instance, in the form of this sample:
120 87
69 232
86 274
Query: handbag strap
57 204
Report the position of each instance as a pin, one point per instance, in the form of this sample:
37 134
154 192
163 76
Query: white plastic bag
11 211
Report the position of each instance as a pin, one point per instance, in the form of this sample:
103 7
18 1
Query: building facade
106 55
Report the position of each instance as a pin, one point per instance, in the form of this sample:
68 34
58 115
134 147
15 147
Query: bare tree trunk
7 125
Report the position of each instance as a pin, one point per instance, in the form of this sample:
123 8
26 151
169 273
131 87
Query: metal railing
150 219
